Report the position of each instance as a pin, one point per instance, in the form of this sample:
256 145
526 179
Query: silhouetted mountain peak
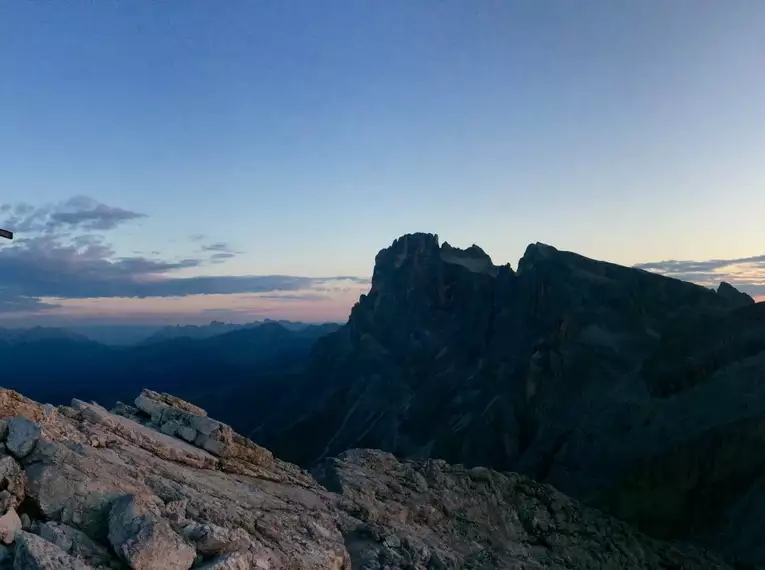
549 370
416 276
416 258
409 254
731 293
473 258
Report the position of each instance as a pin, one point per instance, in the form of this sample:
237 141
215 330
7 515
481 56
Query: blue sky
305 136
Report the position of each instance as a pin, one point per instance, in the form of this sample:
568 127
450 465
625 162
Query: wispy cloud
78 213
219 252
88 214
745 273
62 253
217 246
295 297
20 304
221 257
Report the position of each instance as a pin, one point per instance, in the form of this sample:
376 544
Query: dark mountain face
635 392
734 295
446 343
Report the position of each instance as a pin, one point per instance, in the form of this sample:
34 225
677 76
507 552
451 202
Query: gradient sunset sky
183 161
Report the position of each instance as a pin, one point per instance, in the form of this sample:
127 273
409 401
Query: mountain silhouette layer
636 393
237 374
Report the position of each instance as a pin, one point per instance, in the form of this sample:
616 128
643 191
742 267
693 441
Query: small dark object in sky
6 234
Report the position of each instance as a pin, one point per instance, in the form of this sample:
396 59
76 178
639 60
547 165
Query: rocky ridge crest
160 485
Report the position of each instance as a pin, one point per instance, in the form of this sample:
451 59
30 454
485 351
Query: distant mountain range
213 329
126 335
55 365
33 334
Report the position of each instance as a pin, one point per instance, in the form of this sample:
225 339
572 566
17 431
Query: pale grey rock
78 544
172 402
53 532
122 409
22 436
75 484
211 443
143 539
205 425
187 433
10 525
77 488
170 427
149 439
150 406
211 435
480 519
78 405
35 553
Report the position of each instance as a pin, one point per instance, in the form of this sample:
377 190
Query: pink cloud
301 305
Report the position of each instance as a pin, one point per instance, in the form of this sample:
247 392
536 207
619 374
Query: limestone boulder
143 539
22 436
35 553
78 544
10 526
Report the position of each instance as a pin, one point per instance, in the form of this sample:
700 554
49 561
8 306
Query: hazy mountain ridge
619 386
207 368
215 328
32 334
128 335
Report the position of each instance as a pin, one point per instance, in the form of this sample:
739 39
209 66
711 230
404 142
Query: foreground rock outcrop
135 489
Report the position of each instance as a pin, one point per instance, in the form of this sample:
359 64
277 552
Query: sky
183 161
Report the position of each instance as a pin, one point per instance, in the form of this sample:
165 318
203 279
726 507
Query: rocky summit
159 485
635 393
